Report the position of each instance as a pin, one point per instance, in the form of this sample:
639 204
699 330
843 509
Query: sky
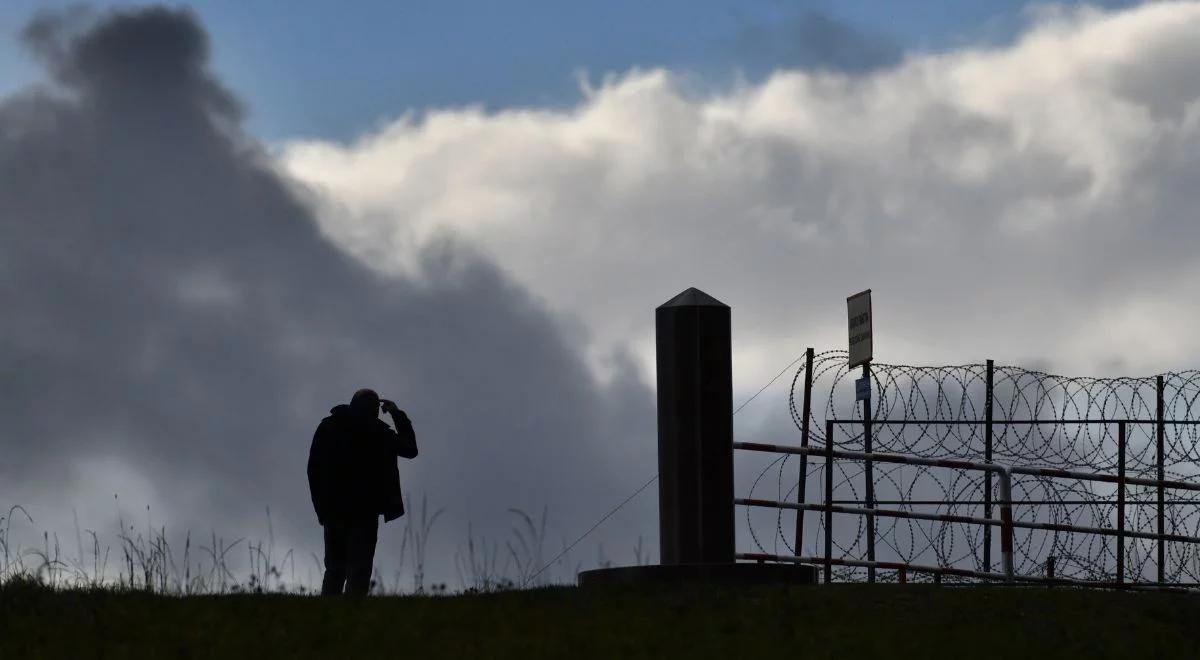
319 69
217 221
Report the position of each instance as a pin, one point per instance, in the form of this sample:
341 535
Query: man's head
365 404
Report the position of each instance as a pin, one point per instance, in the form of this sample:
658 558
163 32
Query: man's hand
391 408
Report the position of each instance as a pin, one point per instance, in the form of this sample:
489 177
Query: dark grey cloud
810 40
171 305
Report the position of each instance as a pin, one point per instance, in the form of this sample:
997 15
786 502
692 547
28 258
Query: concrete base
731 574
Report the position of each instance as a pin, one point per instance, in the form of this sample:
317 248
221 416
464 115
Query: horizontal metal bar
1023 502
966 520
1104 478
901 459
1013 422
1105 531
886 513
946 570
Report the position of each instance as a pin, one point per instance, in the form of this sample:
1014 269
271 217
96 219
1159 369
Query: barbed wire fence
939 412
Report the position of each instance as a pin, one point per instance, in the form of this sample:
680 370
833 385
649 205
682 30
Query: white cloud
1019 202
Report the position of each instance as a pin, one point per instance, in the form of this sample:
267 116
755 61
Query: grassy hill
843 621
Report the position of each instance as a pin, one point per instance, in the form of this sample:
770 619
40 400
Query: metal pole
1120 502
803 481
869 474
1161 427
828 500
987 476
1006 519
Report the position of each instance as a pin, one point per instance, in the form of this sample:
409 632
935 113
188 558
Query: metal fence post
803 481
869 474
828 501
1120 502
987 475
1006 523
1160 459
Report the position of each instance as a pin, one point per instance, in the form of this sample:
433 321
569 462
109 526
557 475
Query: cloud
810 40
175 324
1019 202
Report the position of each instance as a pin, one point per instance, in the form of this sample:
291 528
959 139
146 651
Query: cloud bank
1029 203
175 325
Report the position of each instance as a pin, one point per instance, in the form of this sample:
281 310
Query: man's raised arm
405 438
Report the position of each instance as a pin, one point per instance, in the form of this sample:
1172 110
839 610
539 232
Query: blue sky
318 69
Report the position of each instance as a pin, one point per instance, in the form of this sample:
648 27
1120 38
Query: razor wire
934 401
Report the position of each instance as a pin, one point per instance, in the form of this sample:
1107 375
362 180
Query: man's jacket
352 472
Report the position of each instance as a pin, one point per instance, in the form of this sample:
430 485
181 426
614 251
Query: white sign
862 389
858 308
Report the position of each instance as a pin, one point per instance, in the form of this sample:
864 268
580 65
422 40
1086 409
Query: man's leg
360 555
335 559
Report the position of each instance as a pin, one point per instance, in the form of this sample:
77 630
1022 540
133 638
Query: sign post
862 345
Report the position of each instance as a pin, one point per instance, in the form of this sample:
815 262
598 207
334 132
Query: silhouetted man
353 478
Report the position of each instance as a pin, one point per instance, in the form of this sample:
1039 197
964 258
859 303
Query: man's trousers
349 554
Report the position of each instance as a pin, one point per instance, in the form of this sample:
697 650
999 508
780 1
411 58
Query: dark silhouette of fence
941 450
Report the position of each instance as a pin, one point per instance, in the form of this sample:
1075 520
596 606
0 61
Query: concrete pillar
695 430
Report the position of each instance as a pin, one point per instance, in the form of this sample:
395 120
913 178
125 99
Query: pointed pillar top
693 297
